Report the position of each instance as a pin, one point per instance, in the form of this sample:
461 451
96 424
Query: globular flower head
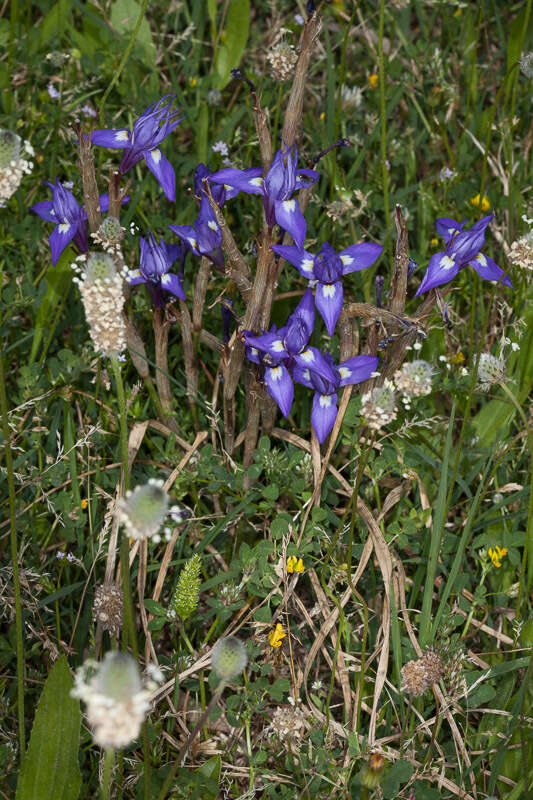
526 65
110 232
491 370
282 59
10 145
108 607
116 699
379 406
144 510
101 289
420 674
229 658
521 252
414 378
12 164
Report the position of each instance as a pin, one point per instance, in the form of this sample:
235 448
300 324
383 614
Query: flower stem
528 544
383 115
106 774
14 561
123 422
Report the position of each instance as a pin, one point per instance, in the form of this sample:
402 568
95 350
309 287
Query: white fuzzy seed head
12 165
282 60
414 378
101 289
379 406
521 253
491 370
144 510
229 658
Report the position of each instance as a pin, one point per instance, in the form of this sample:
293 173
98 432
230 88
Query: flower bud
118 677
108 607
110 231
379 406
372 772
143 511
229 658
491 370
414 379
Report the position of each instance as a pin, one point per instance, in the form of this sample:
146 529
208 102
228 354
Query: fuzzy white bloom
13 165
491 370
282 60
379 406
414 378
116 698
144 510
101 288
521 253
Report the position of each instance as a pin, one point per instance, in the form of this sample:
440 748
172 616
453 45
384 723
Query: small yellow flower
192 82
275 636
323 115
496 554
373 80
458 12
481 201
459 358
84 504
295 564
434 242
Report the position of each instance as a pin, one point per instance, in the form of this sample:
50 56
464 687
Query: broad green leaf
234 38
55 23
58 280
51 770
124 16
399 773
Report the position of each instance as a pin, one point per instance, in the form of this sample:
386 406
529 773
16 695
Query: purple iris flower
69 218
155 263
324 413
219 192
203 237
276 189
462 248
149 130
327 269
282 350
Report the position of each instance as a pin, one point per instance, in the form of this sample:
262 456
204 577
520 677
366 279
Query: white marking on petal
307 264
289 206
325 400
256 181
122 136
133 273
329 290
345 372
446 262
255 351
156 155
227 187
212 224
63 228
276 373
192 242
277 346
308 356
347 260
482 260
166 279
307 375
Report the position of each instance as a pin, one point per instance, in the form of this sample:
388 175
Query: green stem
123 422
382 112
106 774
528 543
123 60
14 560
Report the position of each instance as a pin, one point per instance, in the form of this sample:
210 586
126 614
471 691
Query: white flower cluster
101 289
414 379
521 252
491 370
379 406
116 698
13 165
144 510
282 60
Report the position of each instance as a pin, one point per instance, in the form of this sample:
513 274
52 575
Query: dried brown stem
191 366
114 194
263 134
88 177
200 290
293 114
161 360
136 348
398 288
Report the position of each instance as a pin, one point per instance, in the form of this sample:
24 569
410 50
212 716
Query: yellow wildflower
373 80
275 636
84 504
482 201
496 554
295 564
434 242
192 82
323 115
459 358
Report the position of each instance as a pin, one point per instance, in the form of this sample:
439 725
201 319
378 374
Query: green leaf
51 770
58 280
153 607
234 38
124 16
399 773
55 23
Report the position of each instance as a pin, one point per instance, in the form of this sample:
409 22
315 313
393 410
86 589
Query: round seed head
111 231
144 510
9 148
379 406
118 677
414 379
490 370
229 658
526 65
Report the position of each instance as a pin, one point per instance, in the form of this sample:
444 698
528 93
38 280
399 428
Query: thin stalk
528 543
14 560
382 113
123 422
109 758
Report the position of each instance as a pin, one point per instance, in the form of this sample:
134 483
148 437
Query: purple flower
327 269
69 218
219 192
203 237
149 130
462 248
276 189
280 351
324 413
155 262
